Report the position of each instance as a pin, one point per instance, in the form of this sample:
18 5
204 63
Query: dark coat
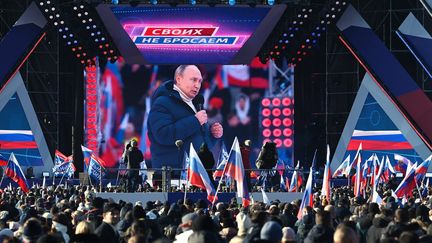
320 233
377 228
171 119
107 234
134 158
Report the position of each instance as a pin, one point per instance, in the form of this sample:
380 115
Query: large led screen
193 35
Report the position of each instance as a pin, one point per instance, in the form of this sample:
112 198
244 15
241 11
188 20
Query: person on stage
177 114
134 157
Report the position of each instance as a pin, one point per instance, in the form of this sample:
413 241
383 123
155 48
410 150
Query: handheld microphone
178 143
198 102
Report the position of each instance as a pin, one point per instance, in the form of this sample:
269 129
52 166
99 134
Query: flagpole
62 177
186 188
418 189
1 181
219 184
100 176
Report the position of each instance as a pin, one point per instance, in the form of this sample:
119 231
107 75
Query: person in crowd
185 228
134 157
107 231
345 234
321 232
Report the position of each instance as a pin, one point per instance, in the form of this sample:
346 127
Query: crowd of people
76 214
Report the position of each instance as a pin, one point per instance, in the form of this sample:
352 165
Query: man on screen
176 114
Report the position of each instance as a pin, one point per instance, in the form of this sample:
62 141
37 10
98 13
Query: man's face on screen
190 81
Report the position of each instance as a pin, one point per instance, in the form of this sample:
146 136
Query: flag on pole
307 199
95 168
354 163
402 163
421 169
265 197
408 183
222 161
296 179
357 188
236 171
184 174
282 183
280 167
375 178
198 175
86 154
63 165
388 169
325 191
343 168
15 173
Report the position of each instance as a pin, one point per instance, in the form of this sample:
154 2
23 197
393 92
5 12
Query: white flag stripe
24 132
357 133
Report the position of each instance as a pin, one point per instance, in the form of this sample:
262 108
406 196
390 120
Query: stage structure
20 131
395 121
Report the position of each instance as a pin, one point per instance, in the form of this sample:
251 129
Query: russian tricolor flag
408 184
17 139
307 199
325 191
343 168
421 170
198 175
236 171
402 163
87 154
296 179
14 171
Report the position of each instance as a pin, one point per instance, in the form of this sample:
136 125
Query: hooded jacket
171 119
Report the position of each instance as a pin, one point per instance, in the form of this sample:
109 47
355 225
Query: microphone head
198 101
248 143
178 143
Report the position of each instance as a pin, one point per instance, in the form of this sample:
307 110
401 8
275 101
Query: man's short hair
179 71
344 234
111 207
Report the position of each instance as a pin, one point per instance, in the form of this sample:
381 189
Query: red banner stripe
378 145
18 145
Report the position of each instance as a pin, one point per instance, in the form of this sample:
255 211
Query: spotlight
271 2
231 2
154 2
115 2
193 2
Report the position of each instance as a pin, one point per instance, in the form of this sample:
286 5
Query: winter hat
271 231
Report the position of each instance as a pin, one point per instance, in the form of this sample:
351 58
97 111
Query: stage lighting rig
328 15
290 26
80 28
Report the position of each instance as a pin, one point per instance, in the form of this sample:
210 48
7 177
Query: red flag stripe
17 145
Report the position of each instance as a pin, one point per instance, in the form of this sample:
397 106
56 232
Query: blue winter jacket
171 119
